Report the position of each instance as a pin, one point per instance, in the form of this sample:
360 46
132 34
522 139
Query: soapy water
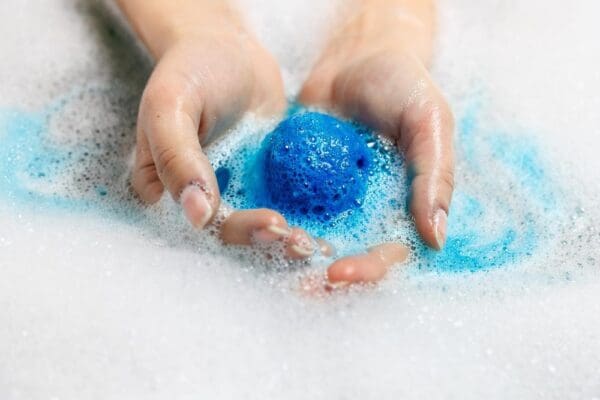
470 246
102 297
487 228
354 218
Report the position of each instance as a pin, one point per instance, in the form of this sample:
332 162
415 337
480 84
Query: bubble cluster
104 297
322 173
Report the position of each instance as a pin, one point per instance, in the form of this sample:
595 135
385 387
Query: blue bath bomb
315 165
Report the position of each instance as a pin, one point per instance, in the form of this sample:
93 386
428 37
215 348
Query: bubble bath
298 169
101 296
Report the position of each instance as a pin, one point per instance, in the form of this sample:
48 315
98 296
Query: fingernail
440 221
337 285
390 253
278 230
302 251
195 206
270 234
326 248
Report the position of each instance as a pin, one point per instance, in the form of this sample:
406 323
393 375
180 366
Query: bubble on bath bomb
315 165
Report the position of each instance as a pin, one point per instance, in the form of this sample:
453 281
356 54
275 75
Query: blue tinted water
248 180
515 180
501 211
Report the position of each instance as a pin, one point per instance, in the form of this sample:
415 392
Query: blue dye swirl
320 172
473 242
35 169
487 228
28 159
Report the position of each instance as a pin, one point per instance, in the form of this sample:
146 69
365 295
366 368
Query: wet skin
266 226
211 70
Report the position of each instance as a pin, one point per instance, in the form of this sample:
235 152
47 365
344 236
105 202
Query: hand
210 71
217 103
248 227
374 70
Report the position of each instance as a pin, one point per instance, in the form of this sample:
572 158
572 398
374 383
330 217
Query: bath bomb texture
316 165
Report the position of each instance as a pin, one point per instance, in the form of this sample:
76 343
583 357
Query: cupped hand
215 72
202 83
263 226
374 70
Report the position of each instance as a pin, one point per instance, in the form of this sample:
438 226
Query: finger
396 95
366 268
144 178
247 226
327 249
426 137
170 116
266 226
300 245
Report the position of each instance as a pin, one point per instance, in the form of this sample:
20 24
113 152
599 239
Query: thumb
426 130
400 99
169 154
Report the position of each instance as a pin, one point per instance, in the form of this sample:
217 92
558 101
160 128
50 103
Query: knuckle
163 89
147 171
177 168
446 177
166 160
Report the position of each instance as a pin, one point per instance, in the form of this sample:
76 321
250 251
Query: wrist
403 25
218 24
162 24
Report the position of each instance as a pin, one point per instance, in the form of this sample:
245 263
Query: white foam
91 307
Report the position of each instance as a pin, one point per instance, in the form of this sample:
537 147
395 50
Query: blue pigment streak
31 164
29 159
471 248
26 158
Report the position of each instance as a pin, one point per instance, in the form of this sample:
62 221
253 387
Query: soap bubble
102 296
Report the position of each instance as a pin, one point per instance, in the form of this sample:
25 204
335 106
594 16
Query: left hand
374 70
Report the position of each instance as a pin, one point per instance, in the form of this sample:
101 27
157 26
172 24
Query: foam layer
245 161
101 297
487 229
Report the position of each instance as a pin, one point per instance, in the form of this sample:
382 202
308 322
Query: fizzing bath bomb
316 165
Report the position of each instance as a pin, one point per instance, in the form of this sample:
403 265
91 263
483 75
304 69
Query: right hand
202 84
